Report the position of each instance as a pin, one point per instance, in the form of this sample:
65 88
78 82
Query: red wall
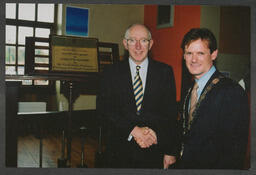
166 47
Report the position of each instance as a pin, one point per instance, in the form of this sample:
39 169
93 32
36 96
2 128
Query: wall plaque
74 54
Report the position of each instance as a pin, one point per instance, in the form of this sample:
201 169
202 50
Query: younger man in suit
215 113
137 103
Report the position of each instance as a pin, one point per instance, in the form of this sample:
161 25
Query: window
26 20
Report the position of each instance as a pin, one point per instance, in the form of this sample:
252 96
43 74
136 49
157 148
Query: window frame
34 24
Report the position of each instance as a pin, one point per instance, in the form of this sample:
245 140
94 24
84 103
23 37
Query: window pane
46 17
41 68
10 55
10 34
41 44
21 70
10 70
42 60
41 52
27 12
26 82
21 55
10 10
23 32
40 32
41 82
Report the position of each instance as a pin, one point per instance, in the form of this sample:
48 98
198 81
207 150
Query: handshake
144 136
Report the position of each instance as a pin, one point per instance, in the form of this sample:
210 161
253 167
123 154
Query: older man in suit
215 113
137 104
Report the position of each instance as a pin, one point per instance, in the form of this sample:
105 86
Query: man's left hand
168 160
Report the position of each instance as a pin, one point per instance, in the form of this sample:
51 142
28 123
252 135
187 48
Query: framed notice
165 16
71 54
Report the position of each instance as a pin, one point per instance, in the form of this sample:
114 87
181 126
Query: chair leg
83 135
62 162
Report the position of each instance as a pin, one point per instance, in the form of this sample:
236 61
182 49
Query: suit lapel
187 102
208 87
185 110
149 82
214 75
200 100
128 85
126 81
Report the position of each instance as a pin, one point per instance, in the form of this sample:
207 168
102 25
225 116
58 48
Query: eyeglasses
143 42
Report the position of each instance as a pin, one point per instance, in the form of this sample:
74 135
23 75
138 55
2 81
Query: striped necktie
193 100
138 89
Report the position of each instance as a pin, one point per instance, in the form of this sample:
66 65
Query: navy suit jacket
218 134
117 110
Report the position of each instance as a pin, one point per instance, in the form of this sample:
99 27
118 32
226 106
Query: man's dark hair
200 33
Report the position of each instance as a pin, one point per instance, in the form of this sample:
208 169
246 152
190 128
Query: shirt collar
133 65
204 79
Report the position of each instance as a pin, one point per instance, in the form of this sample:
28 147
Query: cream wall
210 18
236 65
107 22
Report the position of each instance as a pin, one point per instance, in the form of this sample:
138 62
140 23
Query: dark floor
28 151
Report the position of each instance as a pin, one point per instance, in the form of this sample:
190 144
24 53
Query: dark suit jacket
117 109
219 132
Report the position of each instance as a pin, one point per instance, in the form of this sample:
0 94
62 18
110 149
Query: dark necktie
193 100
138 89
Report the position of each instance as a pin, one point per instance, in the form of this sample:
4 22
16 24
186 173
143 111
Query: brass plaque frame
69 54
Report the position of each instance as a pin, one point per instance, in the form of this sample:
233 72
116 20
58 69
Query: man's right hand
144 136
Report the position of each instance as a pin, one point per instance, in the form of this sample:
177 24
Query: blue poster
77 21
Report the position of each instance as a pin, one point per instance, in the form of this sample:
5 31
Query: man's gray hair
127 32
